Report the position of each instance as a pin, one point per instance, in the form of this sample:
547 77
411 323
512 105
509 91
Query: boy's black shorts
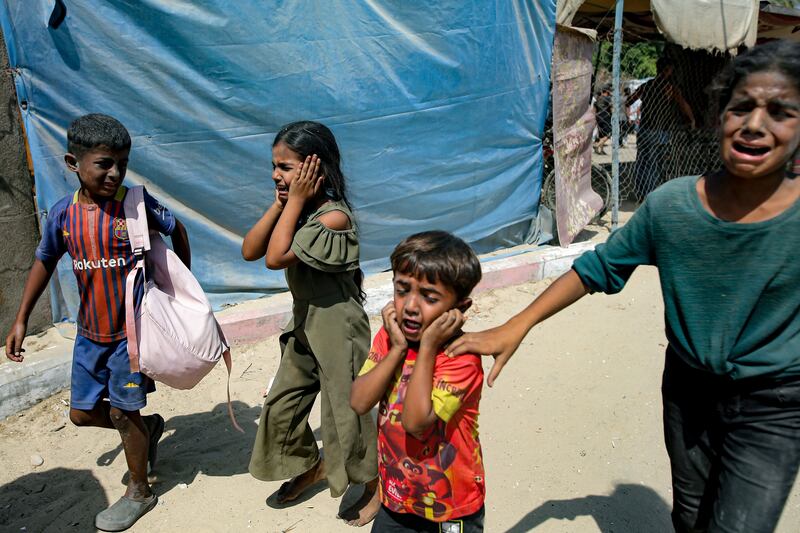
389 521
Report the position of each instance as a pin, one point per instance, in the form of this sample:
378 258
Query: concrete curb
261 321
47 372
24 384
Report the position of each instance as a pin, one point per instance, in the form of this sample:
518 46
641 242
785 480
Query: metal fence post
615 115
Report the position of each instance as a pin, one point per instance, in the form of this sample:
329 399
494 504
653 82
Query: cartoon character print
431 480
391 424
398 490
416 475
420 483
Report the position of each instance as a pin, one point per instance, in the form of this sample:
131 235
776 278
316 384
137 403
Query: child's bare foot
292 489
364 510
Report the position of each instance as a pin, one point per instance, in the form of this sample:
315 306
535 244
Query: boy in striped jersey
90 226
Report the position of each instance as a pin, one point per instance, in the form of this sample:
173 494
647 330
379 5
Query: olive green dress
323 348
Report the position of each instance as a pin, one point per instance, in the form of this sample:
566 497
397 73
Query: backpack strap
226 356
139 237
136 219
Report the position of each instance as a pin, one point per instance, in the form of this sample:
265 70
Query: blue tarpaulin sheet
438 108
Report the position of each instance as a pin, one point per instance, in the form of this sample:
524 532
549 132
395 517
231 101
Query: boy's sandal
155 435
124 513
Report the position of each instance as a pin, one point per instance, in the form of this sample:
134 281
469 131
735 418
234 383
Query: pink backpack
175 338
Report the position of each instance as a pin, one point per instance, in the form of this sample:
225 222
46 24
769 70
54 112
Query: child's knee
119 418
80 418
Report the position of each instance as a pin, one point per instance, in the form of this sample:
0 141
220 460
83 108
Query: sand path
571 434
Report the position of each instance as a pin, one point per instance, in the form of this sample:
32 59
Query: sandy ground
571 434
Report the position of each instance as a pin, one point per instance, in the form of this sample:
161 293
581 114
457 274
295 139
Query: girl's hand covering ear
308 182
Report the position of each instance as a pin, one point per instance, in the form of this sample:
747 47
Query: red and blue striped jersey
96 238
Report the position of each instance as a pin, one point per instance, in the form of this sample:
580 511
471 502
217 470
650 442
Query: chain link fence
668 124
670 121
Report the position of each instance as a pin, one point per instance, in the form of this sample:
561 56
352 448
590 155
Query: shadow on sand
629 508
200 442
56 500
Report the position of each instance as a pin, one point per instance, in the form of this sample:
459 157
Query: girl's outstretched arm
303 188
501 342
255 242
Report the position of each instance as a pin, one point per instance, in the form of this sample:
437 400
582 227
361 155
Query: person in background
663 107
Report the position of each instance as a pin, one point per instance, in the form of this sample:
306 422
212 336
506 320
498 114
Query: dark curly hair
776 56
93 130
438 256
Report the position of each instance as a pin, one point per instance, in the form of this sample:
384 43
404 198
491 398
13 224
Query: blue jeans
734 448
649 168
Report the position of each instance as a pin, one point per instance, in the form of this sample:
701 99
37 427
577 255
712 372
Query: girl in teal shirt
726 246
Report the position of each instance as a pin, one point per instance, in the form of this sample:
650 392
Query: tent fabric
565 11
694 24
438 111
708 24
573 122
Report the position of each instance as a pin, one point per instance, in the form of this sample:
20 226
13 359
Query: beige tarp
707 24
721 25
573 122
565 11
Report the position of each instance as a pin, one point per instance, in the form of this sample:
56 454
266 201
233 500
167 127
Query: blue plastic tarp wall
438 111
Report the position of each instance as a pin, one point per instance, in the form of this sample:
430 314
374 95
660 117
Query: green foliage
637 60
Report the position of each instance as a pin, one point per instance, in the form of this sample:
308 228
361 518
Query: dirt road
571 434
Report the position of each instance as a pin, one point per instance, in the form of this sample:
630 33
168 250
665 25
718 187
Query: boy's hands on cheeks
369 388
500 342
307 183
392 327
442 329
418 411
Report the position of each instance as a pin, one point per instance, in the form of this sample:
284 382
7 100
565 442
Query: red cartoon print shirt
440 477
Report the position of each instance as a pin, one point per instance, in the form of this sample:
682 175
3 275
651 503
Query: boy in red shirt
429 455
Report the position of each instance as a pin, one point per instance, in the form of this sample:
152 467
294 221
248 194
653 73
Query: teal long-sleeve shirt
731 299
